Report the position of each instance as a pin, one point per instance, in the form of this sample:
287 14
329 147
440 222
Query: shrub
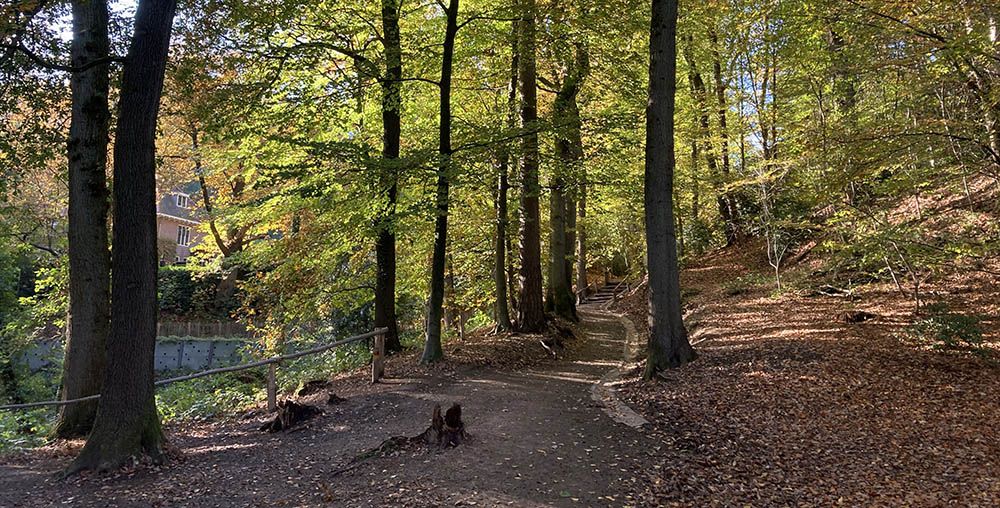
948 330
176 289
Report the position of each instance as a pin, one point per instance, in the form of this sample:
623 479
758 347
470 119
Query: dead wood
289 414
314 386
857 316
445 431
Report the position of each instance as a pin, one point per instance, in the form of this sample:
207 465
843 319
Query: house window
183 236
182 201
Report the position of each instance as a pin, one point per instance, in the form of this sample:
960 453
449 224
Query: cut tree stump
314 386
289 414
857 316
445 431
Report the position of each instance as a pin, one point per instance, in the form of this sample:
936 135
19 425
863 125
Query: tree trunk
503 186
385 244
732 226
582 284
530 312
89 258
570 243
700 93
668 342
569 151
127 423
432 345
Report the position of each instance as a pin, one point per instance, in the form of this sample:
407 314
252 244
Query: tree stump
445 431
857 316
289 414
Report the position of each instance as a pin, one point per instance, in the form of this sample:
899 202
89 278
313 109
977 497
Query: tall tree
732 224
89 258
501 307
668 341
700 93
385 245
432 345
530 310
127 423
562 206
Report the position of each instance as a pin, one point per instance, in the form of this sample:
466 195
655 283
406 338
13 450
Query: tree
89 317
562 205
668 341
385 243
530 312
501 307
432 345
127 422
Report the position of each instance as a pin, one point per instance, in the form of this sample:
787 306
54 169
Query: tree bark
89 316
700 93
732 226
668 341
581 238
385 244
127 423
432 345
501 307
569 151
530 310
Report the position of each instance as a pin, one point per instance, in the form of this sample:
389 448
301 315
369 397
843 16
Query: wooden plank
378 358
272 387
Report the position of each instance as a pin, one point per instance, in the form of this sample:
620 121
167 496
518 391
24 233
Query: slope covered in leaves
789 404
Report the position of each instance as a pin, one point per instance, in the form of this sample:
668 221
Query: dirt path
538 439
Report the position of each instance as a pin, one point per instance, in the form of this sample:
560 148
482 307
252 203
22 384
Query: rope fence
378 370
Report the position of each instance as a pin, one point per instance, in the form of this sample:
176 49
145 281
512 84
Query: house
177 224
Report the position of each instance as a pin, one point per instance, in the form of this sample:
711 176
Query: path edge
604 392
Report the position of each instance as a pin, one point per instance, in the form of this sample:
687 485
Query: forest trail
786 405
538 438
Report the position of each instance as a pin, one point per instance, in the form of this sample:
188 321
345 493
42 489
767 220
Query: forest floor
786 405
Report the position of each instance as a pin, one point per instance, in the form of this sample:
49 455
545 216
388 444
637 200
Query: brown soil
536 439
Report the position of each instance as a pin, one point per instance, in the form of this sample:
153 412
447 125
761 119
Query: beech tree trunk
530 310
501 307
569 151
732 226
700 93
581 238
89 316
668 341
127 423
432 345
385 244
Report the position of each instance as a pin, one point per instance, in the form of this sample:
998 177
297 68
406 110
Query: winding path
539 438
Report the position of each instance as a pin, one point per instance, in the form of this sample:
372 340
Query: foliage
191 291
24 429
945 329
211 396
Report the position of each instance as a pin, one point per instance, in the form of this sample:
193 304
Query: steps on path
607 293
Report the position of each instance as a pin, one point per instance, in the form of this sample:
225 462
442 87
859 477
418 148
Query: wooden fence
378 370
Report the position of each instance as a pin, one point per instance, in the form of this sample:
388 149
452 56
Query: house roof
168 204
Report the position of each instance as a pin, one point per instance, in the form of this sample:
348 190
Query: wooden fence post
378 357
272 388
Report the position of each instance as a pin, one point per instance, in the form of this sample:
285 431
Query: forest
499 253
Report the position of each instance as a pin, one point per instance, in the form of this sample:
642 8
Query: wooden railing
378 370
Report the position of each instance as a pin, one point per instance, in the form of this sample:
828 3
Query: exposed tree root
444 432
